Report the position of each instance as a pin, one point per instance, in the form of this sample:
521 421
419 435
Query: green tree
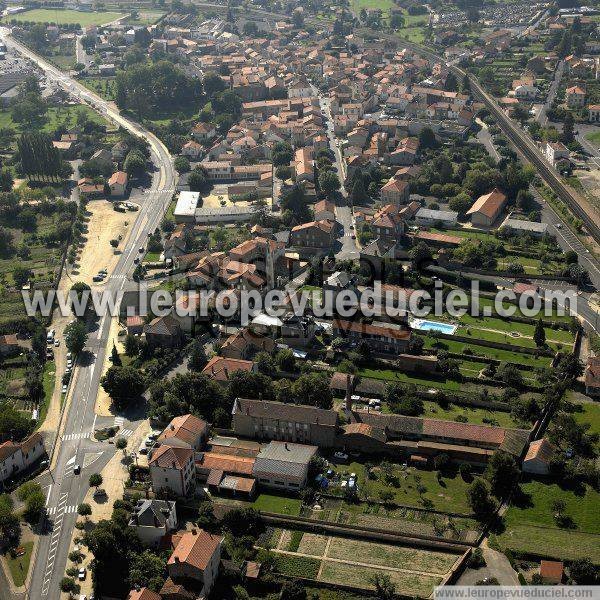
427 138
502 472
479 499
132 346
135 164
198 179
313 389
95 480
198 359
329 182
21 276
385 589
75 336
539 334
123 384
115 359
84 510
121 444
182 164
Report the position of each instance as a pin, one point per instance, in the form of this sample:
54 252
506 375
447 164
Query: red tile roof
167 457
196 548
187 428
463 431
551 570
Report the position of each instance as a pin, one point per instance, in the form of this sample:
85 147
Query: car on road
558 226
64 389
136 260
57 343
141 249
351 226
76 469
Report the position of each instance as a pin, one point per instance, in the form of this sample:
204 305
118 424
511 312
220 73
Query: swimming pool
423 325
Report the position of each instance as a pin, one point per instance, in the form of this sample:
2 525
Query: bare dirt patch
104 224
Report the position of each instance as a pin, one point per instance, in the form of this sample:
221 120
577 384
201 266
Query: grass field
501 355
57 115
383 5
277 504
479 416
530 527
449 493
588 412
593 137
411 584
19 566
65 17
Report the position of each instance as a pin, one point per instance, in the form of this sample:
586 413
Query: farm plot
409 584
353 562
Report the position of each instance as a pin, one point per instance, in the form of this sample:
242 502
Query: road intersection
75 446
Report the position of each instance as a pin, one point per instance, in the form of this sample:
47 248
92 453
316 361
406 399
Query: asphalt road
346 244
64 489
541 116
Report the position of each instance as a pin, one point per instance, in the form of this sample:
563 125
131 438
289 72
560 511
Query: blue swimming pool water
423 325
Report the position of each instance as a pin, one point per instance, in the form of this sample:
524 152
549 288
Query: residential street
343 211
64 489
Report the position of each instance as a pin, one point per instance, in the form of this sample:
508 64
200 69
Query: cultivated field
353 562
65 17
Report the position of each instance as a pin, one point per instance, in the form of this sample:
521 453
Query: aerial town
298 301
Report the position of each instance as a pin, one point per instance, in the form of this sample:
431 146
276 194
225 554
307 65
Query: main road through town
75 446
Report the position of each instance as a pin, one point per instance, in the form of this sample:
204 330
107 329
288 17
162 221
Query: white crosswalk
125 432
75 436
66 510
119 421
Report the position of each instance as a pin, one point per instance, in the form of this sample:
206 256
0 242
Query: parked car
82 573
76 469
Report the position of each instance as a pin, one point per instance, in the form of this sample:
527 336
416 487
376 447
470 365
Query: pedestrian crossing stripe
75 436
67 510
125 432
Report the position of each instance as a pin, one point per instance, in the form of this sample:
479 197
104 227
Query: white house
556 151
526 92
172 468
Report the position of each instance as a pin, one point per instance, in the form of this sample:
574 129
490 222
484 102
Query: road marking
75 436
125 432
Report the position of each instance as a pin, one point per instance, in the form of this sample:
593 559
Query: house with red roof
551 571
196 559
185 431
221 368
118 183
487 208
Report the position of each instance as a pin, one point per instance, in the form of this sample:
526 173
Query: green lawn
65 17
383 5
501 355
55 116
531 527
145 17
278 504
478 416
19 566
389 375
152 257
594 137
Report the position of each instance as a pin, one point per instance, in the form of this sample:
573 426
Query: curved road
64 489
